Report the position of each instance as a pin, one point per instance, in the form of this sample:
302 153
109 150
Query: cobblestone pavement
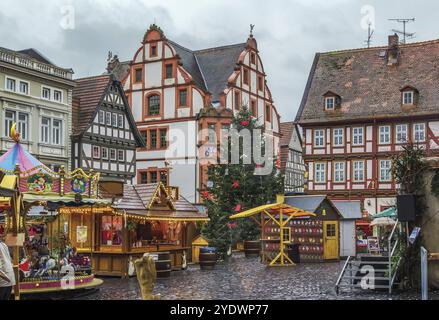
247 279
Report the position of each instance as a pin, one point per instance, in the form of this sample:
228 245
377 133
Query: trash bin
293 252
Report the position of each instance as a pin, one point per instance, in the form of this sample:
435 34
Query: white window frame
338 133
98 155
119 158
60 95
57 132
115 154
108 118
7 79
339 171
120 121
385 176
104 153
24 134
417 132
358 170
358 136
384 134
319 138
101 117
328 105
8 122
42 93
408 97
27 87
320 172
47 129
114 120
400 134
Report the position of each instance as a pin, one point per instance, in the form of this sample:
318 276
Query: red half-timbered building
359 108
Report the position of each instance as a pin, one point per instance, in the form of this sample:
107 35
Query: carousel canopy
27 163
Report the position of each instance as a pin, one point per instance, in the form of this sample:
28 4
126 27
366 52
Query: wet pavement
247 279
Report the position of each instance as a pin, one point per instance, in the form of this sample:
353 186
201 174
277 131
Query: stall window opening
111 234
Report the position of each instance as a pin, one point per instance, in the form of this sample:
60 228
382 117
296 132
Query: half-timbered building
105 136
176 92
362 106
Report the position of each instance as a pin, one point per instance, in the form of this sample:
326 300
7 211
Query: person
7 277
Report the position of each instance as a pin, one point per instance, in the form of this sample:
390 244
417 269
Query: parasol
383 222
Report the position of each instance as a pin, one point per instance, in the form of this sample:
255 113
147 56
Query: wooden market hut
149 218
276 229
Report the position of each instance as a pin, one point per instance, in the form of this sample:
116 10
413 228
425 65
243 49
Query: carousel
51 229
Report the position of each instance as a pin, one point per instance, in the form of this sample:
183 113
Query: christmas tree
238 186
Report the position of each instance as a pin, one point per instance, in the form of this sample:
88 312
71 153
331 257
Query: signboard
81 234
414 235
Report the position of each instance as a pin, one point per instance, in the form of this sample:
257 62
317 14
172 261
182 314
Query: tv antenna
370 32
404 33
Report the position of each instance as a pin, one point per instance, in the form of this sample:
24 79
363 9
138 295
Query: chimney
393 50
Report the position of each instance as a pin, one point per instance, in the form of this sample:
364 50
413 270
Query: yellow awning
8 182
286 209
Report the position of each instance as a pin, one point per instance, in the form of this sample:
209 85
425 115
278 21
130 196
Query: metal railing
347 263
391 248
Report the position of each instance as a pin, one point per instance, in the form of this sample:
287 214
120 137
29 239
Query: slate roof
368 87
349 209
307 203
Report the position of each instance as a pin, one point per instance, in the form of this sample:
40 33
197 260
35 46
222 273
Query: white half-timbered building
105 136
362 106
175 92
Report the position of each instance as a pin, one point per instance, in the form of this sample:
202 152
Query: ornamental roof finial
252 27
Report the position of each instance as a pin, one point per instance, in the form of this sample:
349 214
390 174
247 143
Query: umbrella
383 222
388 213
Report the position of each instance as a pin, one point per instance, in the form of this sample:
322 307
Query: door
330 240
347 238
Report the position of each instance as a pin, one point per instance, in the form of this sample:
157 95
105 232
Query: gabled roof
368 87
287 131
349 209
88 96
307 203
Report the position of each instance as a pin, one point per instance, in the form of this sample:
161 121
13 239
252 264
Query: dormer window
409 96
332 101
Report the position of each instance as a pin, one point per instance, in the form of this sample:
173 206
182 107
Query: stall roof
154 202
349 209
307 203
287 210
7 187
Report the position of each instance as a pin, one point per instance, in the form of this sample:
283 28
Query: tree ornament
205 194
244 123
238 208
235 184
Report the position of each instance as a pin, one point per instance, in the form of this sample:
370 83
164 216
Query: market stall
277 221
148 218
49 259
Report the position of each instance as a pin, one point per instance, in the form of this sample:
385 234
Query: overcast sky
289 32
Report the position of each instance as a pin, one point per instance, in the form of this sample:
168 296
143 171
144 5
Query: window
338 137
23 125
246 77
153 177
113 154
331 230
339 171
144 135
9 120
253 108
163 138
329 103
56 131
138 77
154 105
153 139
260 83
45 130
237 100
111 234
253 58
384 134
121 155
183 98
24 87
46 93
10 84
358 168
319 138
108 118
385 170
57 96
114 119
169 73
320 173
96 152
357 136
120 120
268 113
212 133
419 132
101 117
407 97
401 133
143 177
153 52
104 153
